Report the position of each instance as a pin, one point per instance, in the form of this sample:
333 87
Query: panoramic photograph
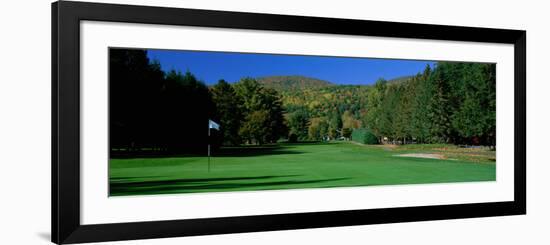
185 121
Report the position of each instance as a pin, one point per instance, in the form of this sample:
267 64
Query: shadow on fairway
206 185
306 143
240 151
252 151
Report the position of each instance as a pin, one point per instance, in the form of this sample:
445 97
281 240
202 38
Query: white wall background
25 121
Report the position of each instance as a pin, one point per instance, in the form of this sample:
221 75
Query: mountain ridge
293 82
399 80
300 82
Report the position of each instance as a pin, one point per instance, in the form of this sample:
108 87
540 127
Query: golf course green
289 166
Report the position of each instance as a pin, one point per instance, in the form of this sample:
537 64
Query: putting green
287 166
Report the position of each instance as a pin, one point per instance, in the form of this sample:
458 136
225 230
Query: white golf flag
214 125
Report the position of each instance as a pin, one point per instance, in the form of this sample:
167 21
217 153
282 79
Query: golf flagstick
214 125
208 147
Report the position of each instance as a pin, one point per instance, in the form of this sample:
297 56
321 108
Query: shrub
364 136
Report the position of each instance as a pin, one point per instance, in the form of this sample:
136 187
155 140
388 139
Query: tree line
150 109
169 111
454 102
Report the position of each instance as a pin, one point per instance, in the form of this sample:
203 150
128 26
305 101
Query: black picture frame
66 18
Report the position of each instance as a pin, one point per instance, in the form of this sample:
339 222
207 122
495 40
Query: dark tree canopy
229 112
134 94
151 110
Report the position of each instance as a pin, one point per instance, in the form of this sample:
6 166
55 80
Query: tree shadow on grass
302 143
207 185
254 151
239 151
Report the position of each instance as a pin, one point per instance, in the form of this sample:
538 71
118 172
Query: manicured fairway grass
287 166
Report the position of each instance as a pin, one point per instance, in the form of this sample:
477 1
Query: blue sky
213 66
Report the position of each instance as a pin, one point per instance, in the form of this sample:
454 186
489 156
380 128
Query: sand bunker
423 155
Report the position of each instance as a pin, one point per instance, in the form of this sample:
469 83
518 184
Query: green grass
290 166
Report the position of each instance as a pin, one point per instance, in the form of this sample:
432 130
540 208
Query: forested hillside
317 109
